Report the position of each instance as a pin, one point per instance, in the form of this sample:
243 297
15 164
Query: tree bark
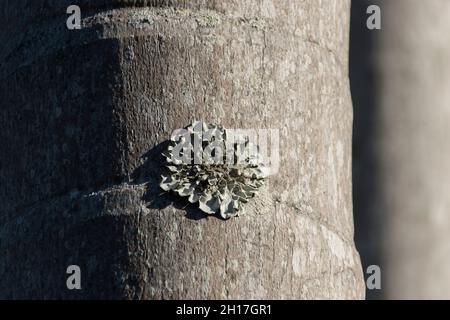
84 115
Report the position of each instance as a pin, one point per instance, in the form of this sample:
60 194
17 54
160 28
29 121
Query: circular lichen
219 172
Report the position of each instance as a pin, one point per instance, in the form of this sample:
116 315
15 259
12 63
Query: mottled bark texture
411 143
84 115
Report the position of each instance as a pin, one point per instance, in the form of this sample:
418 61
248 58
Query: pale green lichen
207 19
219 186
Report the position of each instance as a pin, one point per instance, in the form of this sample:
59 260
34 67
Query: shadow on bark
156 198
368 222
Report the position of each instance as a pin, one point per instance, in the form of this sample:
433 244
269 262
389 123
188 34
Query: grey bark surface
411 148
85 114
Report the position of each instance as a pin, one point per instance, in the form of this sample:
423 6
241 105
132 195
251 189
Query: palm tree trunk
84 114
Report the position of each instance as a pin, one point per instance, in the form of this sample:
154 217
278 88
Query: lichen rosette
220 186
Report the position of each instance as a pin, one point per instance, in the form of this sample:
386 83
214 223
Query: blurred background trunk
400 85
84 115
